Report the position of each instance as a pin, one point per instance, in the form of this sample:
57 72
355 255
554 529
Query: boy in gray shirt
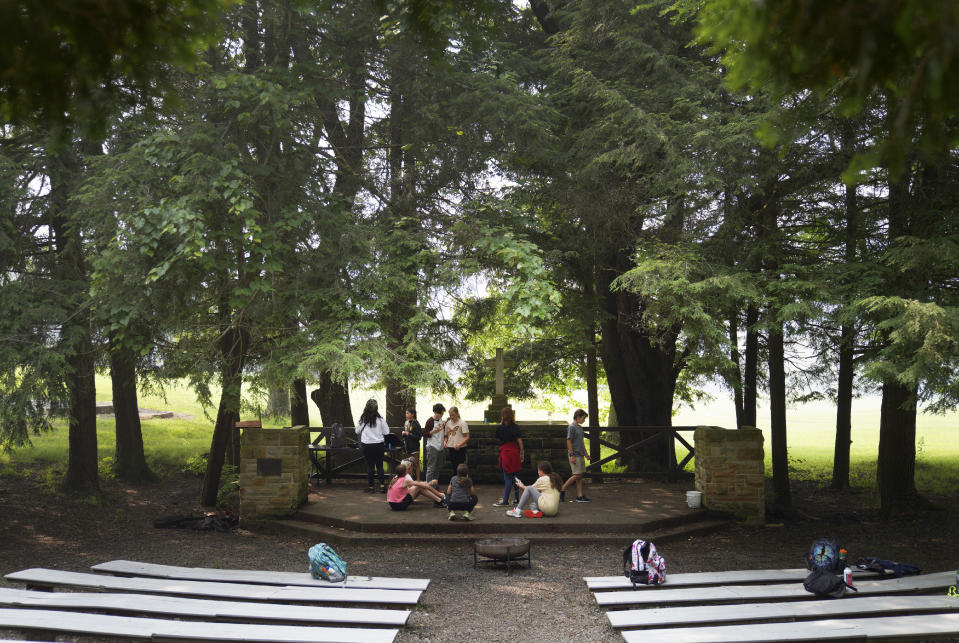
576 448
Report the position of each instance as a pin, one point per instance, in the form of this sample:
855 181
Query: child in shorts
403 489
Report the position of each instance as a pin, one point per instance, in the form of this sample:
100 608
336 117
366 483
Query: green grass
171 444
811 437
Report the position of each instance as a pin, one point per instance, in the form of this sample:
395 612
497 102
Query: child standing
457 435
576 447
403 489
542 495
460 494
435 432
411 442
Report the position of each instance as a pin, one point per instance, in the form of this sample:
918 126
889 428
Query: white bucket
694 499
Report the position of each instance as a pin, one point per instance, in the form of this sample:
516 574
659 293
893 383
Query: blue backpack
325 564
825 554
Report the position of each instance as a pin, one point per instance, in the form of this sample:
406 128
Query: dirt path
547 603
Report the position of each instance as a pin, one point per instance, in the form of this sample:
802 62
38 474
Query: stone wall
540 443
730 471
274 471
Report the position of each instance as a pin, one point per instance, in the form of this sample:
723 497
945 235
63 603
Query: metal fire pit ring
502 550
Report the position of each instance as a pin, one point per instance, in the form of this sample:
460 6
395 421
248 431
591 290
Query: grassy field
171 443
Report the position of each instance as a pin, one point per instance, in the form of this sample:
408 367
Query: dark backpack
643 565
883 566
336 435
824 554
825 584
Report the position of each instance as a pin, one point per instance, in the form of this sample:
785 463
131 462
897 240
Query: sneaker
562 496
583 499
529 513
383 488
452 516
515 513
370 490
440 503
468 515
500 503
536 514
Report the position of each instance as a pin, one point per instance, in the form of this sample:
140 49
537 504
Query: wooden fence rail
635 442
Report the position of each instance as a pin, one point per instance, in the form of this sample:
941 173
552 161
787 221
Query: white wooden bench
49 578
663 595
200 608
264 609
742 610
151 628
697 579
257 577
799 610
915 626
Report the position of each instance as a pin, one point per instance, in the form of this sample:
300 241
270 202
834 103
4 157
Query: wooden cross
500 364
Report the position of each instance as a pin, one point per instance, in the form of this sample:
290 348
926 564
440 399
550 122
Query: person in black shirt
511 454
412 431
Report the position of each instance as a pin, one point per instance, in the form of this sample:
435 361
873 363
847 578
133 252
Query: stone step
512 526
462 532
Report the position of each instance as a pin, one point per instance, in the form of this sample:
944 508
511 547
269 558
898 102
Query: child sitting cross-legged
403 489
460 494
542 496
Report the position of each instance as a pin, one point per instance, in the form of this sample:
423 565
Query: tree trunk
896 463
592 402
847 337
398 397
130 462
333 400
299 407
737 376
76 333
896 472
82 477
233 348
777 419
277 402
640 373
750 366
840 460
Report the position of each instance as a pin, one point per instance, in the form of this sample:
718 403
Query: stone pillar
274 472
730 471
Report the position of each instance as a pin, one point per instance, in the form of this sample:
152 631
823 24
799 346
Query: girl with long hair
542 496
372 431
460 494
403 490
457 435
511 454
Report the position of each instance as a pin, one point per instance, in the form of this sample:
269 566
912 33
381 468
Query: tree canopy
264 196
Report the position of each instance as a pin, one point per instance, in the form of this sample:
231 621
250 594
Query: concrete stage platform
620 512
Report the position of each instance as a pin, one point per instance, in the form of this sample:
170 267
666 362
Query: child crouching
460 494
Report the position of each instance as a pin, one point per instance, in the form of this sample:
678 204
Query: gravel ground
546 603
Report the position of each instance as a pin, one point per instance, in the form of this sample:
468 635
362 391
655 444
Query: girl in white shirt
371 430
457 435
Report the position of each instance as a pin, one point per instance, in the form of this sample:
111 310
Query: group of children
541 498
